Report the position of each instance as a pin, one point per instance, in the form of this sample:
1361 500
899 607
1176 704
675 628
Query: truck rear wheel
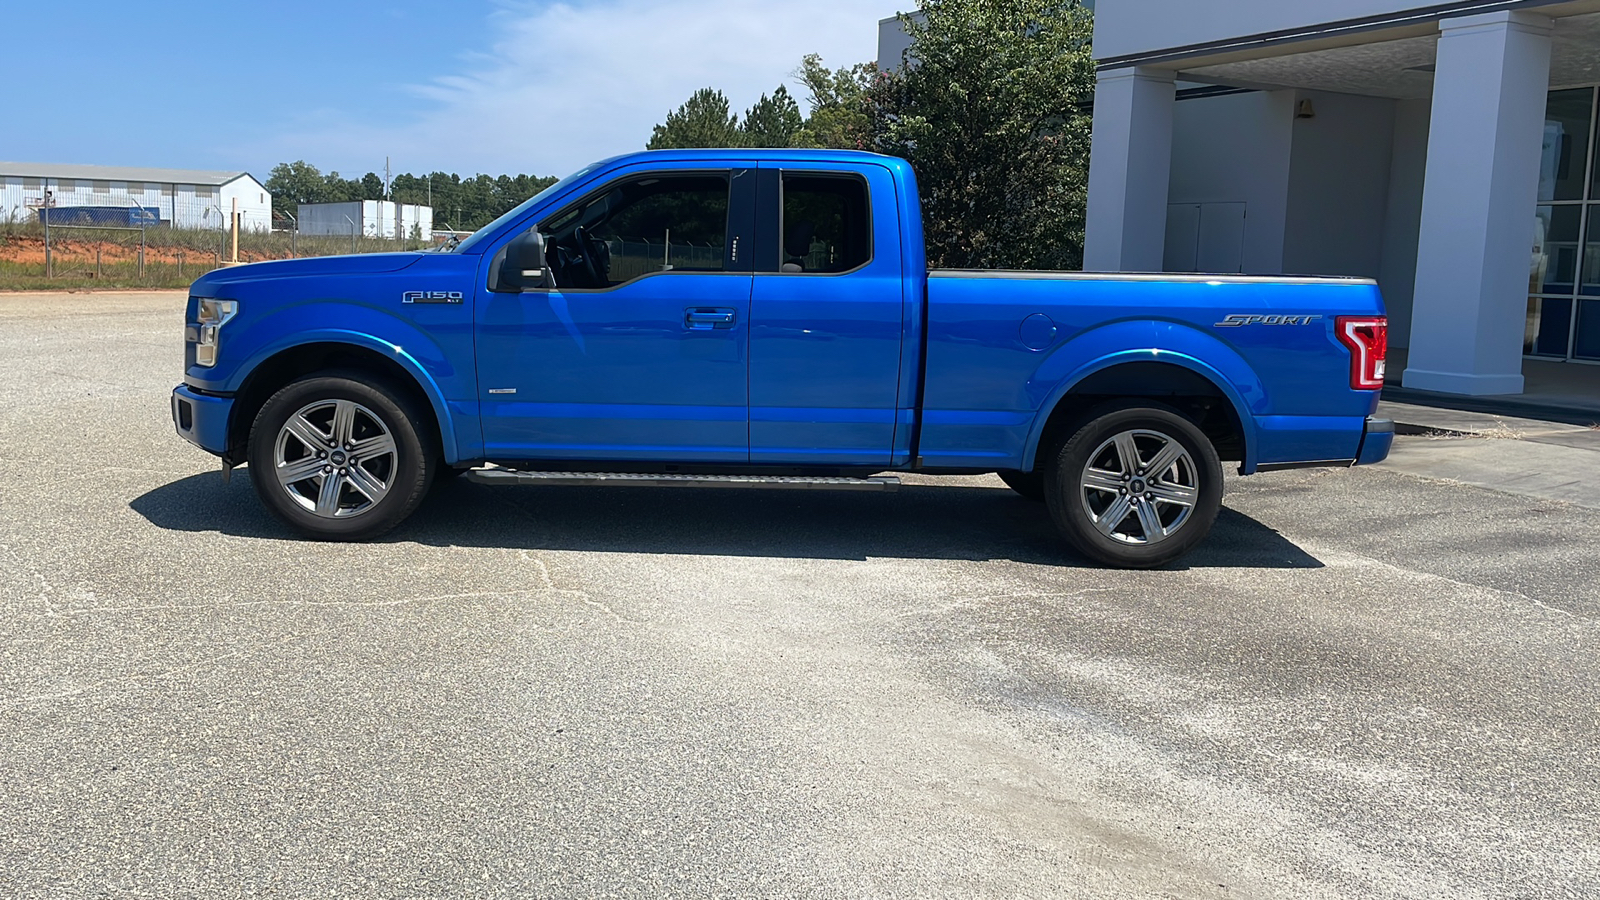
1136 487
339 458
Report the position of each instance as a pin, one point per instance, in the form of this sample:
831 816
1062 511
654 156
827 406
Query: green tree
994 116
294 183
445 191
841 103
465 204
703 121
338 189
773 121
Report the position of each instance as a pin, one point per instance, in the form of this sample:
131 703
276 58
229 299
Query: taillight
1368 340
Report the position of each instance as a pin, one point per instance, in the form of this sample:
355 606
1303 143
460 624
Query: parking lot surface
1367 683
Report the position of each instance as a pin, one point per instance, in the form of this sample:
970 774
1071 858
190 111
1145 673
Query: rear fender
1134 341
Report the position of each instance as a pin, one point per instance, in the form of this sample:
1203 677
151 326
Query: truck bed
1004 345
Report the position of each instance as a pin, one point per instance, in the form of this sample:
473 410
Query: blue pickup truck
766 318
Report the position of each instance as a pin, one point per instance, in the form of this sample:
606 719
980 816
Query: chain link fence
635 257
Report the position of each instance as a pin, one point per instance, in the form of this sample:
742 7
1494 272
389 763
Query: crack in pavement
1357 560
27 571
153 674
549 584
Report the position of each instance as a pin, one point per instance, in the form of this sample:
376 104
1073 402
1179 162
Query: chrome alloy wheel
1140 487
335 458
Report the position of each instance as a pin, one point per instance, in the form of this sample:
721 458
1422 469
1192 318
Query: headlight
212 315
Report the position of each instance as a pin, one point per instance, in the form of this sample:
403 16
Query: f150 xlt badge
431 297
1238 319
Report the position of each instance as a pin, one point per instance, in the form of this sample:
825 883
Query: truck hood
356 264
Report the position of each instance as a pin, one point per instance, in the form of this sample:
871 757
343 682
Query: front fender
408 346
1168 342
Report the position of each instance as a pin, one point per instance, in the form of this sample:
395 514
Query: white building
372 218
181 198
1428 145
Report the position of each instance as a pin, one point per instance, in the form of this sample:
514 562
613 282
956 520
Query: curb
1520 409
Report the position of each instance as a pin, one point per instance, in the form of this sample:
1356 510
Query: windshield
477 236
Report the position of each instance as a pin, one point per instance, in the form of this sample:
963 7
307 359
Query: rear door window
827 224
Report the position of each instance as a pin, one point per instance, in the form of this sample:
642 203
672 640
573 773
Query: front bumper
1375 442
201 419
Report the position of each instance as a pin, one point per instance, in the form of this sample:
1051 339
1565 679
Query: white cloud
562 84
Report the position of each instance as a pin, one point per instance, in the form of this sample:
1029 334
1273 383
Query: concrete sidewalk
1527 457
1554 391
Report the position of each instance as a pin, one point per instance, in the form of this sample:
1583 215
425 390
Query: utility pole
49 262
142 218
235 229
388 194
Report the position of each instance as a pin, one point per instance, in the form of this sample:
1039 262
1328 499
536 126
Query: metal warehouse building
181 198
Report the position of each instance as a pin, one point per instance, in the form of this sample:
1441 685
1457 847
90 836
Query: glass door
1564 275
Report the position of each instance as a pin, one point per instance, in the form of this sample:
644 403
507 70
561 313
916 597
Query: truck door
826 316
640 349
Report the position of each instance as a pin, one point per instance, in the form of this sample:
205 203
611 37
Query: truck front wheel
339 458
1136 487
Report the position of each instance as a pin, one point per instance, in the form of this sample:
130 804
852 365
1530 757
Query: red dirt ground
29 250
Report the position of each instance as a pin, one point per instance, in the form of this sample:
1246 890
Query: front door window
667 223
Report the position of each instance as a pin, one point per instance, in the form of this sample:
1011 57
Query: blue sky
470 86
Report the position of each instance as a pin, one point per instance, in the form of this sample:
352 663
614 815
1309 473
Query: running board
500 476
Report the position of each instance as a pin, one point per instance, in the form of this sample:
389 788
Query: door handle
707 319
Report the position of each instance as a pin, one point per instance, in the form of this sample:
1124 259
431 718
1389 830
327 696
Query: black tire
1030 485
375 409
1094 453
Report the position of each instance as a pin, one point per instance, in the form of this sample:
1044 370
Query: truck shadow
921 521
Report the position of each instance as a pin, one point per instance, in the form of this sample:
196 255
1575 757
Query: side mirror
524 265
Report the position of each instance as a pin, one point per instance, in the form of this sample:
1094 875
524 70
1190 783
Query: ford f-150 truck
766 318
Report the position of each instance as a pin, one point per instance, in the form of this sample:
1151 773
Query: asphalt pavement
1378 682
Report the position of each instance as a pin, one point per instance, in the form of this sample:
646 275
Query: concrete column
1130 164
1478 201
